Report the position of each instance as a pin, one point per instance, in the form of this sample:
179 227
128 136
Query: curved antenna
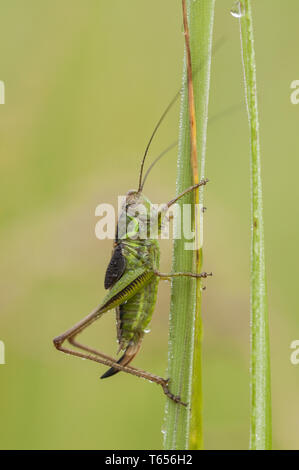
153 134
226 112
140 185
170 147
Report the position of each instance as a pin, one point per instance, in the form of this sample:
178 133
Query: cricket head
139 219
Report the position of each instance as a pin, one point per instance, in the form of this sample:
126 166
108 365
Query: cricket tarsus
172 396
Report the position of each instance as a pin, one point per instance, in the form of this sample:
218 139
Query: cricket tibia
125 359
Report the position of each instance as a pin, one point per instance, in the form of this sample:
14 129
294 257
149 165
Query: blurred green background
85 83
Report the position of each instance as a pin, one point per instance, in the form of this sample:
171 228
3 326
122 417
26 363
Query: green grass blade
201 44
185 314
260 428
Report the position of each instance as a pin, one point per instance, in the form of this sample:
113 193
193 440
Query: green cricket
132 278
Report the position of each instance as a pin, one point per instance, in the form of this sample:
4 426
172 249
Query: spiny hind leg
101 358
97 356
83 347
132 370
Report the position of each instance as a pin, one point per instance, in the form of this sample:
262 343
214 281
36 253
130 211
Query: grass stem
183 429
260 386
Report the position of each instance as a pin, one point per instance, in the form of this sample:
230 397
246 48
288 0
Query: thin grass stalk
260 385
183 429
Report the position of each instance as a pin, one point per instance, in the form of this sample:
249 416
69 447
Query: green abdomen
135 315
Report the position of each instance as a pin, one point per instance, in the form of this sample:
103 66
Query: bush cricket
132 278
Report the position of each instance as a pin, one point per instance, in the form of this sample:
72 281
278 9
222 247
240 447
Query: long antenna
140 185
153 134
232 109
170 147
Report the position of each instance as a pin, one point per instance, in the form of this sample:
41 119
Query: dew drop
147 331
237 10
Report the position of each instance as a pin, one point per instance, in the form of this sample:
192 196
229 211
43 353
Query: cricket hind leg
101 358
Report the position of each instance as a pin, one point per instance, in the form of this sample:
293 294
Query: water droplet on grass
237 10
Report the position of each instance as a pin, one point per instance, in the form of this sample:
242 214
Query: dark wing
116 267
